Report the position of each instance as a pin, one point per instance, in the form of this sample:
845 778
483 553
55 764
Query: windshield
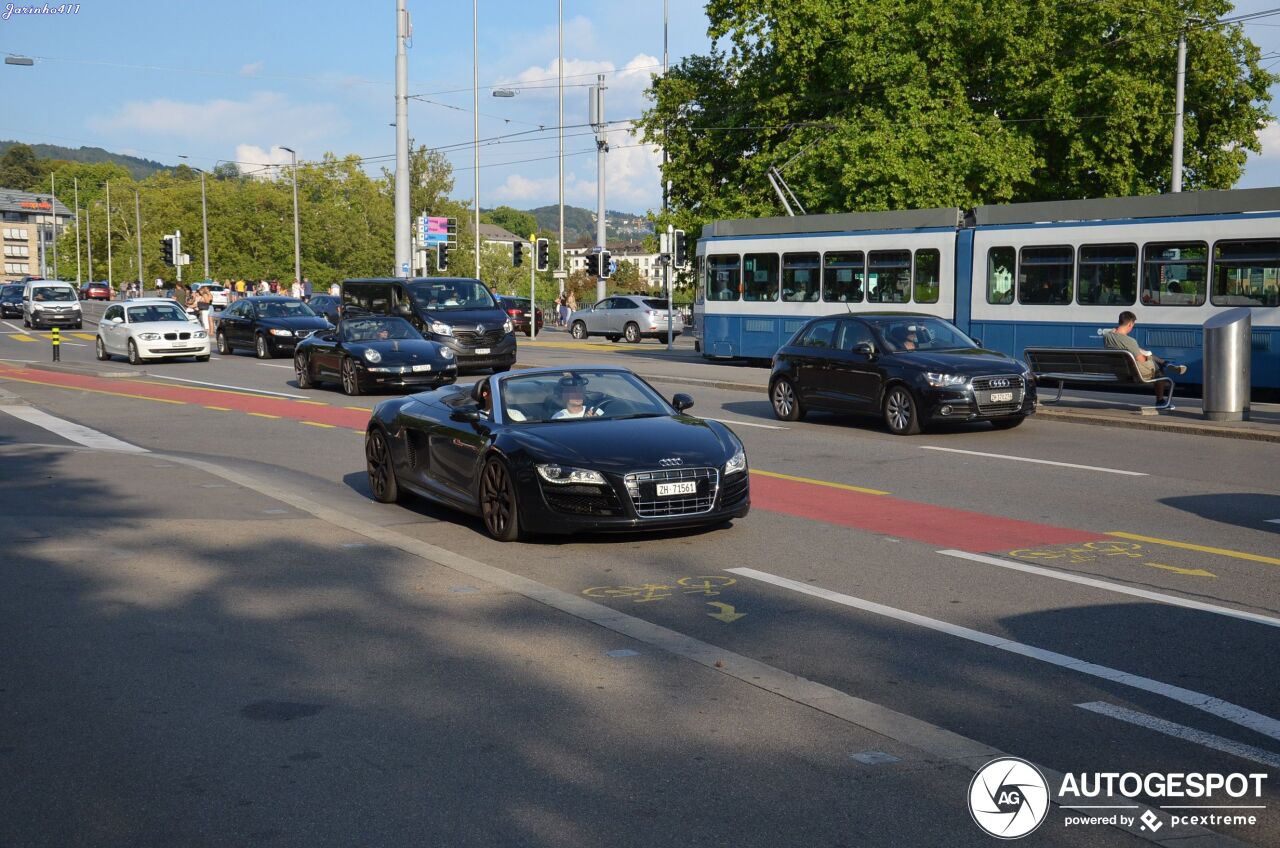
377 328
10 291
451 294
906 334
156 312
284 309
52 294
579 395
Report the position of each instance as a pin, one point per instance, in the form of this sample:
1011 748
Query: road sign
432 230
404 268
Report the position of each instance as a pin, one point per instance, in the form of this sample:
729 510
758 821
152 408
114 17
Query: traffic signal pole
602 147
666 274
533 289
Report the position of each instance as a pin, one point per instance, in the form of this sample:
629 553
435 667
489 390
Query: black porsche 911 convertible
368 351
556 450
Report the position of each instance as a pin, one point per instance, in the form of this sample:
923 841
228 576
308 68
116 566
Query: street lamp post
475 114
204 215
297 243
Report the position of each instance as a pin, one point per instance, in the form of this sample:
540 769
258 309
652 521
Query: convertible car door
456 448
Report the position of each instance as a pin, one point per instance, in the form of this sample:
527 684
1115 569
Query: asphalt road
249 649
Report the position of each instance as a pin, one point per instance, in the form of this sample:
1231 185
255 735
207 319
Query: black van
456 311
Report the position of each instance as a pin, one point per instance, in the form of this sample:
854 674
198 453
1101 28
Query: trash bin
1228 342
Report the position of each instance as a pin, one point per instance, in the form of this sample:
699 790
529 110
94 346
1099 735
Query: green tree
21 169
879 104
514 221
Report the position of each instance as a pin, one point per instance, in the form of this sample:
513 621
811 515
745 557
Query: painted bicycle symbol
706 585
1087 552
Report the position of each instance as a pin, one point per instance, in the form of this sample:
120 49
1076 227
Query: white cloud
253 161
1269 137
263 114
632 181
252 69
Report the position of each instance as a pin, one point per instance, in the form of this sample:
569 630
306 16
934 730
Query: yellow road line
263 415
1204 549
22 337
318 424
313 402
219 408
94 391
826 483
358 408
85 336
1193 572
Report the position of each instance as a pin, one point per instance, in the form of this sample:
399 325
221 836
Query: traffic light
606 266
166 249
517 253
593 264
679 254
442 257
542 254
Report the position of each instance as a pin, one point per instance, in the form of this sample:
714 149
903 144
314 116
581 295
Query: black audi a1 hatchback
912 370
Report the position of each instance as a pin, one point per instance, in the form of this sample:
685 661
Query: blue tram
1016 276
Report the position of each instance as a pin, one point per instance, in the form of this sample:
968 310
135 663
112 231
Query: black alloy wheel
381 467
579 330
79 325
900 413
262 347
1008 423
498 502
302 368
223 347
101 350
350 379
632 333
134 357
785 401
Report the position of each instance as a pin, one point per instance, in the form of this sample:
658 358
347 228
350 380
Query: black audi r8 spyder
373 351
559 450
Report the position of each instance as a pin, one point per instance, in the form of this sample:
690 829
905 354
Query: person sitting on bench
1149 365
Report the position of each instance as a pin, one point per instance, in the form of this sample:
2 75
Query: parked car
326 305
373 351
150 328
518 310
270 325
555 450
913 370
95 291
11 301
633 317
50 303
220 296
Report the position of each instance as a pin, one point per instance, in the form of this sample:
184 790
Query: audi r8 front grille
643 488
582 500
735 489
998 394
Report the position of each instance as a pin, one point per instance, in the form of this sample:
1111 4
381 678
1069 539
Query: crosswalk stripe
84 336
22 337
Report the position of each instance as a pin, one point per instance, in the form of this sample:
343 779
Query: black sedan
913 370
269 325
373 351
553 450
11 301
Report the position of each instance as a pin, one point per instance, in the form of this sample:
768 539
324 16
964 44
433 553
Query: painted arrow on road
1193 572
726 614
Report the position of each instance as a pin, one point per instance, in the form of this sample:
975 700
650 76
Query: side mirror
681 402
117 320
466 414
977 342
864 348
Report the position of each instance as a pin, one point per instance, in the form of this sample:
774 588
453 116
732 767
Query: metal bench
1091 366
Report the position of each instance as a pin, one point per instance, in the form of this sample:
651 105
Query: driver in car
571 392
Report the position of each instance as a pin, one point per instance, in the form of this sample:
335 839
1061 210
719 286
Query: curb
72 368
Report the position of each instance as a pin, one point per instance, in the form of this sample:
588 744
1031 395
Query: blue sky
233 80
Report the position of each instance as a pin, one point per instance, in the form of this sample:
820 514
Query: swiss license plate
666 490
482 350
422 368
1001 397
178 344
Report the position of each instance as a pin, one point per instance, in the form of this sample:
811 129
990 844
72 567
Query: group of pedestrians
566 305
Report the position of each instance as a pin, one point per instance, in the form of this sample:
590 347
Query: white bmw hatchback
150 328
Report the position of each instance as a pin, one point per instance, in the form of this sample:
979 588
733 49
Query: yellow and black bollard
55 337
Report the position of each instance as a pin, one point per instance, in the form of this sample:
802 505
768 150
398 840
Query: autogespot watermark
11 9
1009 798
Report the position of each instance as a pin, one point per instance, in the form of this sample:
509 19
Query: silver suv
633 317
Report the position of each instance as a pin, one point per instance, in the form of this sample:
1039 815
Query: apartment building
27 224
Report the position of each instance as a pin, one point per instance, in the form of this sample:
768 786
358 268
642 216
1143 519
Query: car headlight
276 332
440 328
553 473
199 334
940 380
149 337
372 355
446 352
736 463
507 326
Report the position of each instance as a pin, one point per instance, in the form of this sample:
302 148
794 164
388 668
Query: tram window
760 276
842 277
701 295
1000 263
723 277
927 276
889 276
800 277
1045 275
1174 273
1246 273
1108 275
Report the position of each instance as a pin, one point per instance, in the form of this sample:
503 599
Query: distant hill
138 168
580 224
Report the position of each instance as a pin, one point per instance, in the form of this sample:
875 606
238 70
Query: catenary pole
110 277
560 125
404 249
1177 111
75 184
53 198
475 115
137 228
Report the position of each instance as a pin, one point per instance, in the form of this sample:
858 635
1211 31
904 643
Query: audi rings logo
1008 798
670 461
999 384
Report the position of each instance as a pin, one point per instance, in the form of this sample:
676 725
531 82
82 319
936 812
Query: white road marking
225 386
1190 734
15 326
1037 461
1273 520
1172 600
745 423
1234 713
71 432
25 361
